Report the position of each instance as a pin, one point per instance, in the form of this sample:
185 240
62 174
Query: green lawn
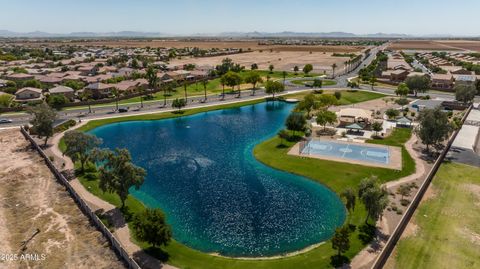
325 82
448 234
334 175
348 97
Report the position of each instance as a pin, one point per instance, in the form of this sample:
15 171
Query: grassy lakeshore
336 176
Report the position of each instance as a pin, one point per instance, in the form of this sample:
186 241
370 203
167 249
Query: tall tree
253 78
151 226
79 145
334 66
307 104
307 69
295 69
377 127
418 84
374 197
341 240
350 198
465 93
117 172
205 83
433 127
296 122
42 121
402 90
223 81
273 87
232 79
179 103
185 91
373 80
284 75
116 96
152 79
271 67
325 117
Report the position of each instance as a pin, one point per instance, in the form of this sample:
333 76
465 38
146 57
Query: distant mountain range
39 34
311 34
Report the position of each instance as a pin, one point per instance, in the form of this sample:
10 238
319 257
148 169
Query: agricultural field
202 44
452 45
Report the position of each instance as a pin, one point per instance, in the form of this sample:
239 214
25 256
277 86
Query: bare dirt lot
436 45
31 199
281 60
221 44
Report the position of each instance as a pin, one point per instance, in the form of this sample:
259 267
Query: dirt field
282 60
253 45
31 199
436 45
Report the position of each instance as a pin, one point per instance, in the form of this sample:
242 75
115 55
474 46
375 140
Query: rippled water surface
217 197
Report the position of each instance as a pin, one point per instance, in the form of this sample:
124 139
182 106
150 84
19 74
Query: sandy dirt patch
281 60
32 202
475 190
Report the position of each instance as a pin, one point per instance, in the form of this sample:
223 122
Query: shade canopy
354 126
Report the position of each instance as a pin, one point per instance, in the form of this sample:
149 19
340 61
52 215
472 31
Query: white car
5 121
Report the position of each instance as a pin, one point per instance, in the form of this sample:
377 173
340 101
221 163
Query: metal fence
117 247
395 236
304 144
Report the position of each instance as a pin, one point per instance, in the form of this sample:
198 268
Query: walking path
122 232
368 255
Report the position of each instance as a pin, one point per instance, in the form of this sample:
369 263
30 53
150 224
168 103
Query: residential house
20 77
63 90
100 90
131 85
28 94
125 71
442 81
50 80
88 70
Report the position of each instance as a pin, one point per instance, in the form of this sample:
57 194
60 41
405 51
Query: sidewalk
121 232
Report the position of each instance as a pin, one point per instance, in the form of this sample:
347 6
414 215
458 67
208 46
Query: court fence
116 245
395 236
304 144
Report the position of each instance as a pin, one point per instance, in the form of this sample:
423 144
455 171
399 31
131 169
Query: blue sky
459 17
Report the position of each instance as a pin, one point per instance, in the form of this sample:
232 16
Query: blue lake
218 198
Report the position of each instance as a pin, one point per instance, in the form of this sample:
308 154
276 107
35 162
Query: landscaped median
336 176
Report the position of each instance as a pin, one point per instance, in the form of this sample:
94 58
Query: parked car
5 121
122 110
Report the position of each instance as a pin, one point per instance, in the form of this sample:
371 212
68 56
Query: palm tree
205 82
152 81
185 90
87 96
239 82
334 65
284 74
346 66
116 94
222 81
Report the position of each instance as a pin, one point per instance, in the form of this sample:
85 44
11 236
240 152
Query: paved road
108 110
135 109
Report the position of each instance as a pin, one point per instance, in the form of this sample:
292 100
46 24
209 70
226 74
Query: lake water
218 198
